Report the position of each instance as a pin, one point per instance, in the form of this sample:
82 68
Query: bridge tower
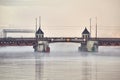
85 34
39 33
41 44
88 45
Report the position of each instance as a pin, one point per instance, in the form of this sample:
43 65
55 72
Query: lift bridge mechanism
41 43
5 31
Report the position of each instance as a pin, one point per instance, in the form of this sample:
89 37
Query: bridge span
41 43
32 41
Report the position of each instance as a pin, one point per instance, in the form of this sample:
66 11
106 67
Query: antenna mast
90 26
40 22
96 27
36 24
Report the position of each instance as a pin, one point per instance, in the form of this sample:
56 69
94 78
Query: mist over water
64 62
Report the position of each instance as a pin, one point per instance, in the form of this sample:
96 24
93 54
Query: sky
62 18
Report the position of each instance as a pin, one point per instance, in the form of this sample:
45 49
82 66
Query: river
64 62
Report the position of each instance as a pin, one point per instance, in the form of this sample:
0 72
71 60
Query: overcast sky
62 17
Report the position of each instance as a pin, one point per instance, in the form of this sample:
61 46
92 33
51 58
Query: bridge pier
42 46
89 46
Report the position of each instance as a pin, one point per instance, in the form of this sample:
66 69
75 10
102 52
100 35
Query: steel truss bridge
33 41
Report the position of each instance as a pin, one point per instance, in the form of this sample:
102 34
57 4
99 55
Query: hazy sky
62 17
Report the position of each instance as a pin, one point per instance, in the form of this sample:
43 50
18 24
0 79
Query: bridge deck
32 41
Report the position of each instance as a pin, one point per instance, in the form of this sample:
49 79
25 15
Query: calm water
62 63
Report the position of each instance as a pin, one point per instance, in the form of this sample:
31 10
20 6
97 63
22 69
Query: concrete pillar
83 47
42 46
92 46
89 46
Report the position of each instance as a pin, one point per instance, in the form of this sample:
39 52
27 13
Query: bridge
41 43
32 41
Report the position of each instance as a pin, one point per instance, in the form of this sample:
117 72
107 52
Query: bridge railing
31 41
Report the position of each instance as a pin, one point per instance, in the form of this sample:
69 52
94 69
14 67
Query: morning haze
62 17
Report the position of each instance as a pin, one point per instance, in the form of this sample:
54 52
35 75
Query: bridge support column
42 46
89 46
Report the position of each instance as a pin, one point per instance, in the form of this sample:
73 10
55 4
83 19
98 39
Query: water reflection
60 65
38 66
